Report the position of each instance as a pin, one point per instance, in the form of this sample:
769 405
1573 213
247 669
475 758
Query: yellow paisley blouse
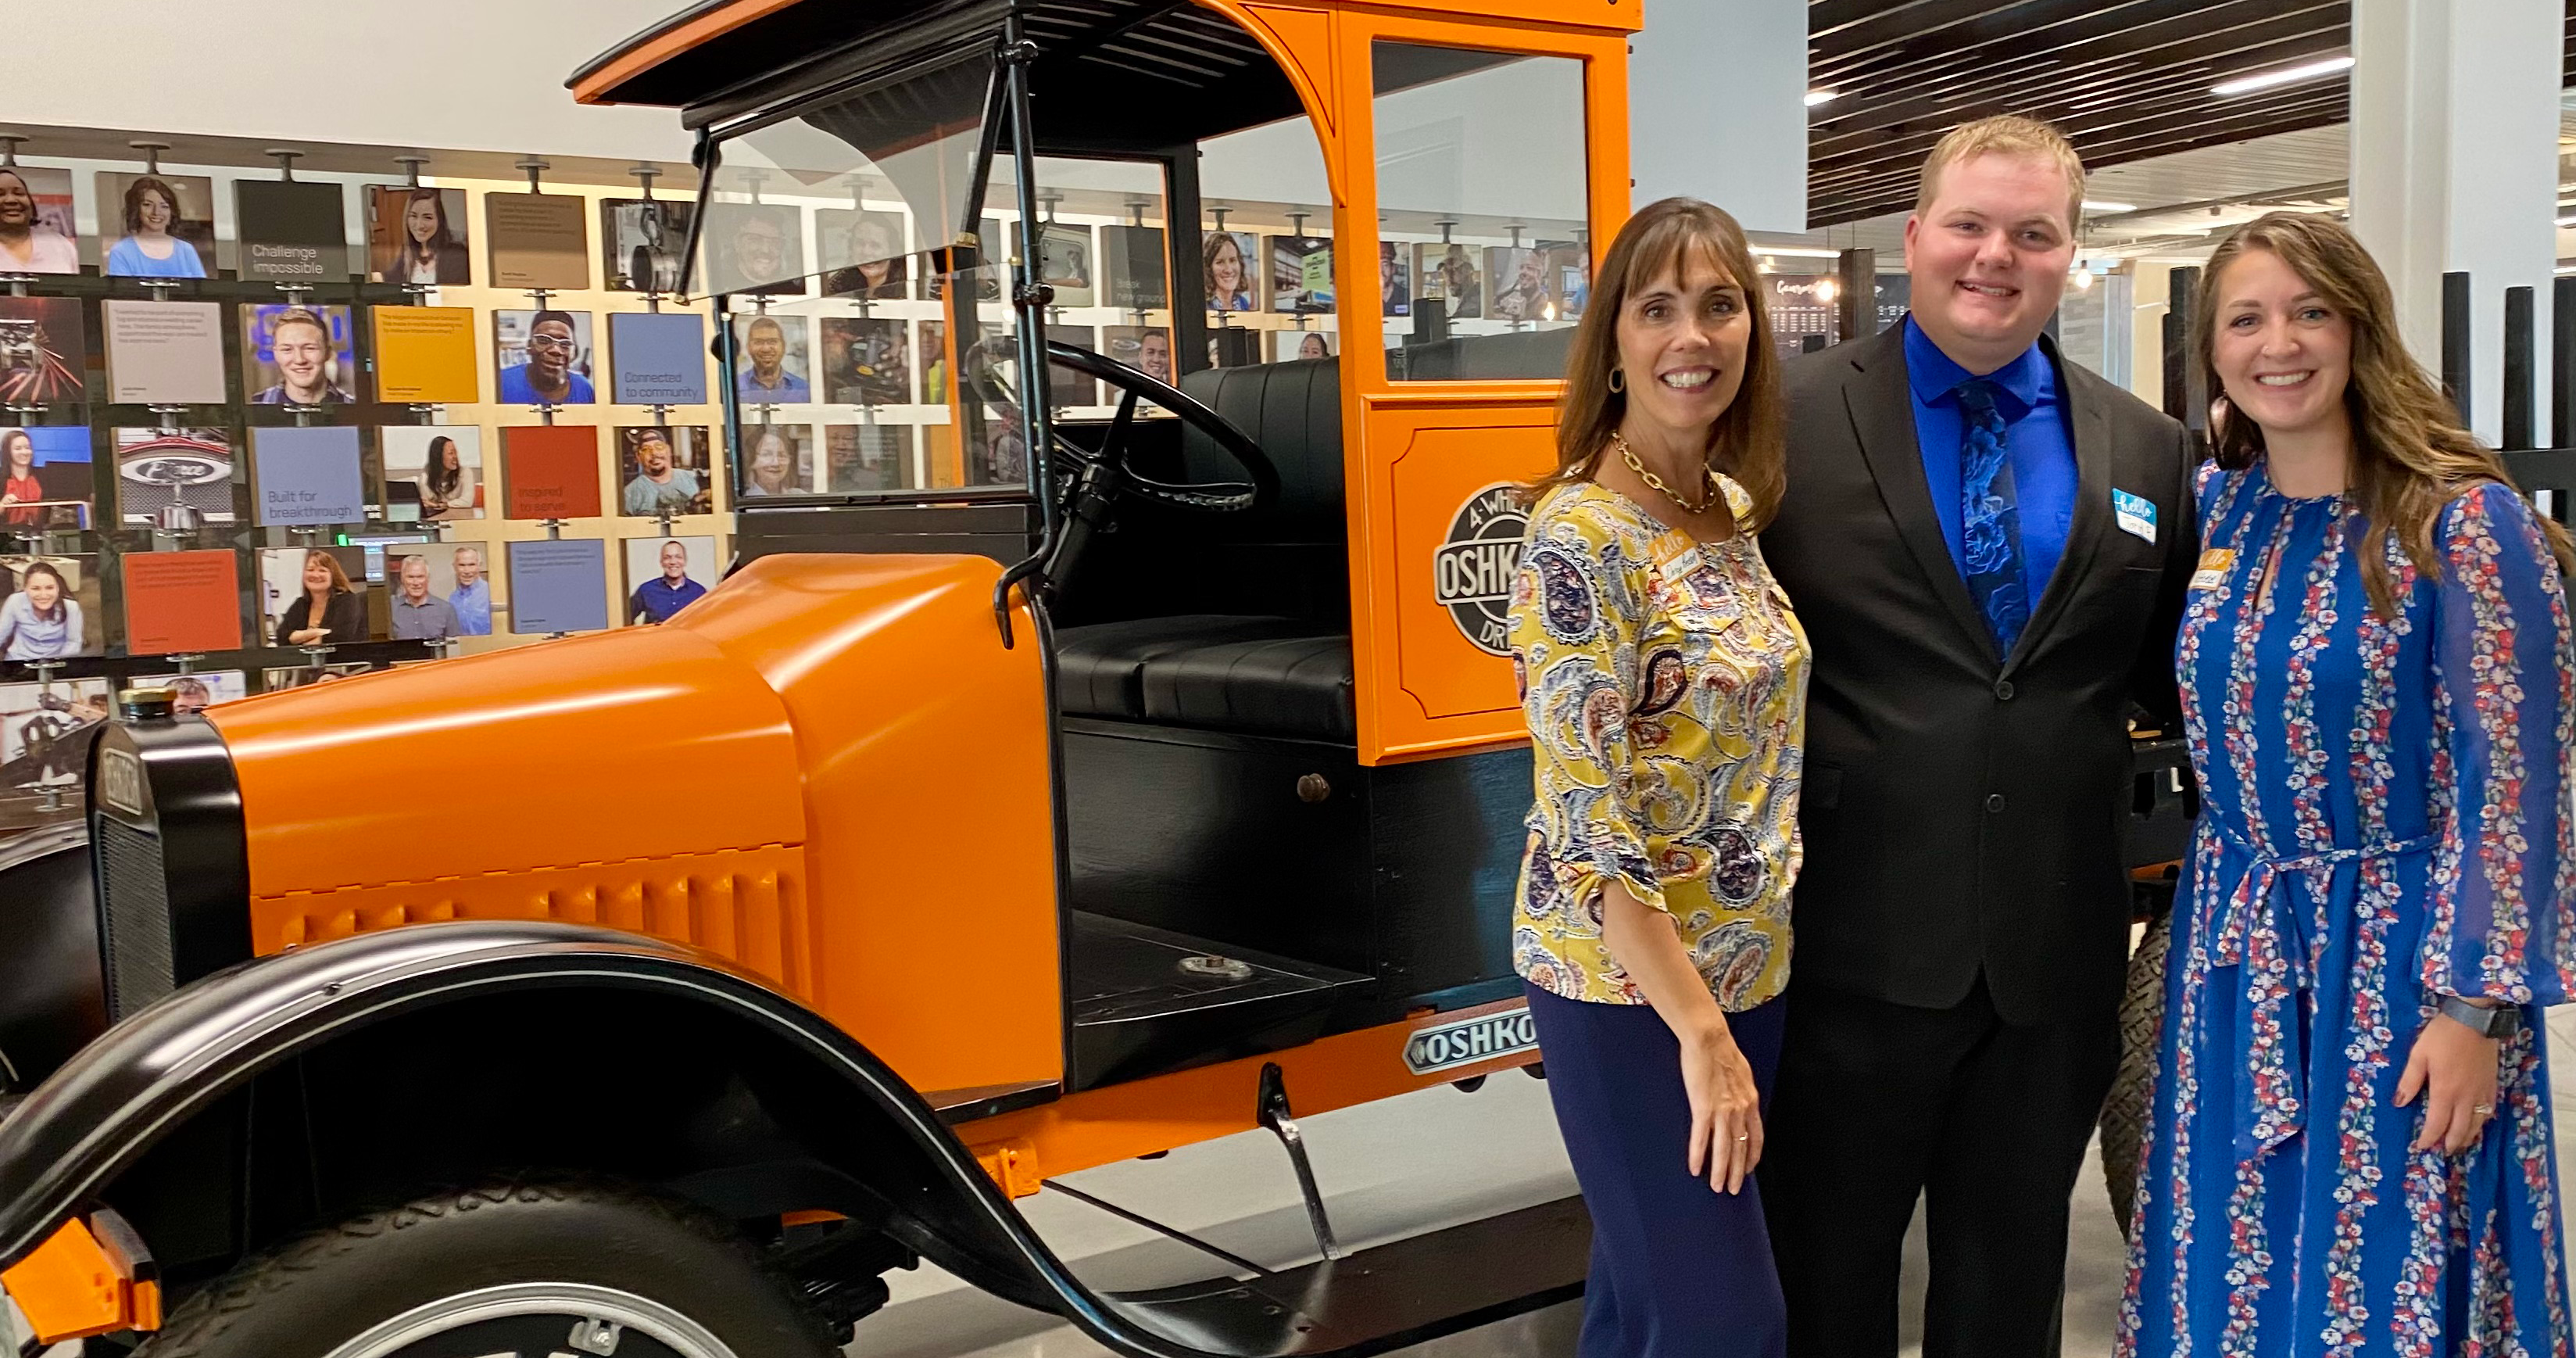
1665 683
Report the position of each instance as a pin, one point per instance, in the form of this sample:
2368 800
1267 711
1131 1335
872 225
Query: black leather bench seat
1256 675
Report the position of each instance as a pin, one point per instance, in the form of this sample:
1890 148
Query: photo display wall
266 433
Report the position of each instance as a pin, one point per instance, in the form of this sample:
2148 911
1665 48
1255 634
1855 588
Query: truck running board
1382 1298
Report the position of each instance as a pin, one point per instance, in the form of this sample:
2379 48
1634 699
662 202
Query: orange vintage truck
1134 783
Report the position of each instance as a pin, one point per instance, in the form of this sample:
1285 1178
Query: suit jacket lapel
2089 421
1882 416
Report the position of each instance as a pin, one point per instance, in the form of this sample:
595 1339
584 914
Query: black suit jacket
1964 811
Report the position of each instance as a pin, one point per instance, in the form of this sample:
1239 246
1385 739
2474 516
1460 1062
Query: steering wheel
1098 479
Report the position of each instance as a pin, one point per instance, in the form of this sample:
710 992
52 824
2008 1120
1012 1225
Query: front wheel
523 1269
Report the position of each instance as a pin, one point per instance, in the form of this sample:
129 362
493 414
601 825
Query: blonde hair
1749 441
2410 458
2005 134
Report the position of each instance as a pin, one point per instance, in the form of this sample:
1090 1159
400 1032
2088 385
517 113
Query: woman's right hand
1725 1107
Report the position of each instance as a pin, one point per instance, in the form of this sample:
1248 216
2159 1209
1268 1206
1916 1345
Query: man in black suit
1988 547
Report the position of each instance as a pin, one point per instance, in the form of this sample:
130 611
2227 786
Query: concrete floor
1394 1169
1413 1164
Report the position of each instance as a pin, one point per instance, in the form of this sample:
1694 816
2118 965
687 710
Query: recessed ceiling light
2287 75
1802 251
2569 220
1815 97
2096 205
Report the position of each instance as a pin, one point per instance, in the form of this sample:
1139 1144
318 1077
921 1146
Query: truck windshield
915 139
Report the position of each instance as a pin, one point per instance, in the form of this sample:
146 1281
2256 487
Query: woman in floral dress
2349 1146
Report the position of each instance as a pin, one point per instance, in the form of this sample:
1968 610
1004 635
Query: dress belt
2254 929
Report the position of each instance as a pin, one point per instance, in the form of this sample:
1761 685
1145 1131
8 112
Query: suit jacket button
1995 804
2003 690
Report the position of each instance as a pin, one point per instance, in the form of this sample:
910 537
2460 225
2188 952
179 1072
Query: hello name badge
2136 513
2215 563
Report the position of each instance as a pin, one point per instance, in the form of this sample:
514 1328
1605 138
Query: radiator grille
134 916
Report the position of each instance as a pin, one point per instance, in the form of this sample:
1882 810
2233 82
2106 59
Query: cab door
1487 160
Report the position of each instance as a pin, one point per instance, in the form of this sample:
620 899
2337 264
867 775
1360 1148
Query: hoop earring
1618 379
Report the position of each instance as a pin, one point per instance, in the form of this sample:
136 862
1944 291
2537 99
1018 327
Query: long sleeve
75 629
2153 684
2501 924
12 615
347 619
1578 612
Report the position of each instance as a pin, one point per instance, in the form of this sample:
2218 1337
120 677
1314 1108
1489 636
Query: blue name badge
2137 515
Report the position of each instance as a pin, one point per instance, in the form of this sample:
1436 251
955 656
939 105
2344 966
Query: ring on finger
2484 1110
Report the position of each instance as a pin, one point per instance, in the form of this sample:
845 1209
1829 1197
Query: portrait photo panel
1300 346
864 252
52 609
773 360
665 575
313 596
167 477
48 479
432 472
867 360
543 357
298 355
436 590
1145 348
1231 264
777 459
1450 275
198 690
417 236
663 468
156 225
753 248
37 231
868 457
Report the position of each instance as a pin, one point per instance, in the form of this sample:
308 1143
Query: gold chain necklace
1620 442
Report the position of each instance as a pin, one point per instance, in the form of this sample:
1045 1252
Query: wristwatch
2502 1021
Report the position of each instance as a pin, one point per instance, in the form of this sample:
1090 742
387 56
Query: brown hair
1748 442
2004 135
133 210
339 577
2410 458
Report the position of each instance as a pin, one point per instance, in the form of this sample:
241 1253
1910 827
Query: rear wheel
530 1269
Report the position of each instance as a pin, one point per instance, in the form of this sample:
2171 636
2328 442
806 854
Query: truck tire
532 1267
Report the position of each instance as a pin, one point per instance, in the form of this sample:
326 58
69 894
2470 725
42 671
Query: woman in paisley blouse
1664 681
2348 1141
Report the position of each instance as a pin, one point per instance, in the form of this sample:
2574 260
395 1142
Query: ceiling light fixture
2287 75
2568 220
1800 251
2093 205
1815 97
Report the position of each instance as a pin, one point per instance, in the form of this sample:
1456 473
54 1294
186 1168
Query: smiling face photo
157 225
297 355
36 231
417 236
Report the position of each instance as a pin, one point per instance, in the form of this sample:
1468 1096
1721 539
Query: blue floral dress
2385 814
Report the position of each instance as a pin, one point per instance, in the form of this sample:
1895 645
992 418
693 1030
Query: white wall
463 74
1717 107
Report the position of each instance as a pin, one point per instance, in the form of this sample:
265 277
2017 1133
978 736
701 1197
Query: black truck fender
835 1130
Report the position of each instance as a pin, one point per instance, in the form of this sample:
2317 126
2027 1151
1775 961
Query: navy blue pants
1678 1270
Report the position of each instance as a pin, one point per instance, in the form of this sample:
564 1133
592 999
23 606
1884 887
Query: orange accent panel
929 797
660 45
1123 1121
1418 451
72 1288
621 746
829 770
747 905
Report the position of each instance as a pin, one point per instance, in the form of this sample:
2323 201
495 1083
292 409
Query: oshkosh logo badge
1469 1041
1472 571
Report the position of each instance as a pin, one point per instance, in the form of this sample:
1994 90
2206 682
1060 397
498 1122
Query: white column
2455 167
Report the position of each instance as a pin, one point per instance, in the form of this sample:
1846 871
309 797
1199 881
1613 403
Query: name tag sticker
2215 563
2137 515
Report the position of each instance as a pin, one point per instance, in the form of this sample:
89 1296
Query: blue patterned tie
1990 517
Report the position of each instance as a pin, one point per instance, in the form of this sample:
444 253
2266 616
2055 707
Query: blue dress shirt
473 605
657 599
2036 437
